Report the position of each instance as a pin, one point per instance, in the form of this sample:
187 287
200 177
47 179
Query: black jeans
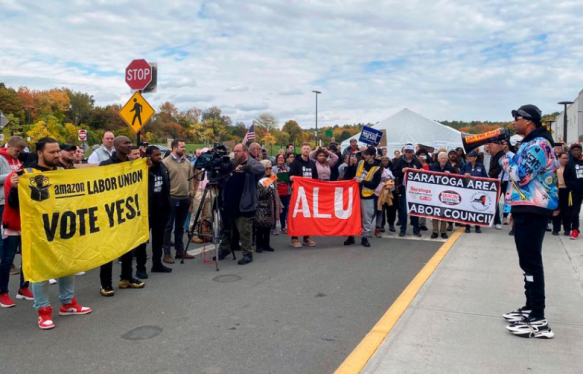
285 203
565 211
11 244
179 210
529 233
158 221
390 211
262 237
105 272
403 216
575 211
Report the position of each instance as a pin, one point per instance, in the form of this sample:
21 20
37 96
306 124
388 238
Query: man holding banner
407 161
123 147
47 150
368 176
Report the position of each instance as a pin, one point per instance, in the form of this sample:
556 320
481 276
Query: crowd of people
255 199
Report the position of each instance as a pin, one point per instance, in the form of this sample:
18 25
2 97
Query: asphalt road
292 311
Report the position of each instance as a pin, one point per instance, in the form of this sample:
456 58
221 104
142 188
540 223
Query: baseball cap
409 147
473 154
575 145
529 112
68 147
452 151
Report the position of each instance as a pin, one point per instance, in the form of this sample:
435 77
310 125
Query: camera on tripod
216 163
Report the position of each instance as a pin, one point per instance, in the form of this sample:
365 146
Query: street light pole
316 116
565 104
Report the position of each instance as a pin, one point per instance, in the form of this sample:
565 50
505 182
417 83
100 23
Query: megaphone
472 141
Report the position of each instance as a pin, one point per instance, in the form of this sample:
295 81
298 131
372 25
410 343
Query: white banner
452 197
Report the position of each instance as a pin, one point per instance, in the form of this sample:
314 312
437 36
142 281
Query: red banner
324 208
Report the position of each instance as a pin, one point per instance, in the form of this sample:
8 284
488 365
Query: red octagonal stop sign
138 74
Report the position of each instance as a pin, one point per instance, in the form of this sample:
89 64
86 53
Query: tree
81 107
293 129
267 121
10 102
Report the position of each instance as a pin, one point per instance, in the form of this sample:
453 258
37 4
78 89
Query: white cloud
451 59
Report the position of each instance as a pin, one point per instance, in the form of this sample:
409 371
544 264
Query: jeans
391 211
262 237
105 272
158 221
497 210
179 209
285 204
575 211
403 216
244 227
367 214
565 211
40 291
529 232
11 244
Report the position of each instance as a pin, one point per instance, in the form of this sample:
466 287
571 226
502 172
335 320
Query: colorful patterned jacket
532 187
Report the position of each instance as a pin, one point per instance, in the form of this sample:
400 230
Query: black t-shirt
159 190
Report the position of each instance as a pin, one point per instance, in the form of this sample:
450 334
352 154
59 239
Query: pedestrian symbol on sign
137 111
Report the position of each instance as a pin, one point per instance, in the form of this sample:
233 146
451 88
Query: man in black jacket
407 161
159 205
303 166
573 179
123 147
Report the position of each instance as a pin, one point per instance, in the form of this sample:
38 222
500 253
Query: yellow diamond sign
137 112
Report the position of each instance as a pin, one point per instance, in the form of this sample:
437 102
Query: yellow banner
76 220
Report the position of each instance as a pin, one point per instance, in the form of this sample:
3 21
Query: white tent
409 127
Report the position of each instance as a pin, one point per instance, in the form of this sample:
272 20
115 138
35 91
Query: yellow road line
371 342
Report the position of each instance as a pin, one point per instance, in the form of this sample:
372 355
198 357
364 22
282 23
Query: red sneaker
24 294
6 301
574 234
73 308
46 318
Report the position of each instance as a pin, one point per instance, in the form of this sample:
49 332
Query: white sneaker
80 273
52 281
531 328
498 226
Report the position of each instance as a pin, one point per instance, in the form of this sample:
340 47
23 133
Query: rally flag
250 134
77 220
324 208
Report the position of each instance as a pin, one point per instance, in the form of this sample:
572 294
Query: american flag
249 135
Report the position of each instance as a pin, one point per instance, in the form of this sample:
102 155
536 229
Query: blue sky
447 60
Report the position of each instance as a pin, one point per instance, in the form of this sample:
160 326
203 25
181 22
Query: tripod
212 194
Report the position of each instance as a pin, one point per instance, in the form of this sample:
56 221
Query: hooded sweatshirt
531 174
8 164
573 175
301 168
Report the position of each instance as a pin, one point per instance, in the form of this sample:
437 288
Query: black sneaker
449 227
467 230
531 327
382 229
141 274
245 260
107 291
350 240
423 228
259 249
402 234
567 233
478 230
222 255
434 235
417 234
555 233
392 228
517 314
512 232
160 269
269 249
444 236
365 242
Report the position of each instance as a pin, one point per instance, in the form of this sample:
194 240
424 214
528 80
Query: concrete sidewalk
454 324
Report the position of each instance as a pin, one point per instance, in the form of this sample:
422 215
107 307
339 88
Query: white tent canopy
409 127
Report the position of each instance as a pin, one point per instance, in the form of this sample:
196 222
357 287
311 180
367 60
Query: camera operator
240 197
532 196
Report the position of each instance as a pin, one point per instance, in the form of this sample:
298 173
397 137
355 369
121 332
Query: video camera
216 162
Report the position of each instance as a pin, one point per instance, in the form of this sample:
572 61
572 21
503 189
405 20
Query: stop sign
138 74
82 135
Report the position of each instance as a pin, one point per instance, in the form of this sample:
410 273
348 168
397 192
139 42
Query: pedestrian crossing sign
137 112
